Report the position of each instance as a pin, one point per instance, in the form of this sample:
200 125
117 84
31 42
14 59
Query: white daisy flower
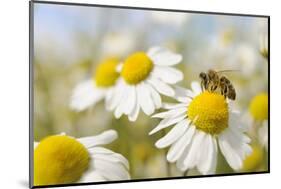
144 76
259 112
61 159
201 122
246 56
100 86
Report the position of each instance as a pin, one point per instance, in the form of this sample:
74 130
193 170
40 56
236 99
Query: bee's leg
202 85
215 87
206 86
222 93
210 87
225 91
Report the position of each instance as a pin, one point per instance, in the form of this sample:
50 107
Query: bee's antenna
228 71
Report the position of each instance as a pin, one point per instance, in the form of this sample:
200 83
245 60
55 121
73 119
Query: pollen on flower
58 160
106 74
136 68
209 112
252 161
259 107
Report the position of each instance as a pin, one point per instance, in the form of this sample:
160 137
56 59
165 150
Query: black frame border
31 91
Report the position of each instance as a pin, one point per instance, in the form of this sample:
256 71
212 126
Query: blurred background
69 42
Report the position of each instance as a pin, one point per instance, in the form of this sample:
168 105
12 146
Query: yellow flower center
259 107
106 74
136 68
254 160
209 112
59 160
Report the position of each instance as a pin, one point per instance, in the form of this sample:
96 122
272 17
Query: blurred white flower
254 160
143 77
222 42
201 120
245 57
170 18
226 49
89 92
258 110
61 159
263 134
118 44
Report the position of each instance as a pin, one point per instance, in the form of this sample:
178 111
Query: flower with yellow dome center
61 159
254 160
143 77
259 107
100 86
201 122
258 110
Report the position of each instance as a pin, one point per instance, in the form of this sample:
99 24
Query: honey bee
212 80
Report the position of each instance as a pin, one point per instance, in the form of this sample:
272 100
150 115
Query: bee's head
211 74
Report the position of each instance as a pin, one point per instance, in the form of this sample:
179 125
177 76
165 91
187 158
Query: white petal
155 96
214 163
178 148
196 88
167 122
144 99
121 107
108 98
183 95
91 176
35 144
114 158
100 150
86 94
263 134
235 122
119 67
206 161
161 87
173 105
111 171
163 57
196 148
117 94
167 74
154 50
104 138
131 100
134 114
180 159
234 148
174 134
171 113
